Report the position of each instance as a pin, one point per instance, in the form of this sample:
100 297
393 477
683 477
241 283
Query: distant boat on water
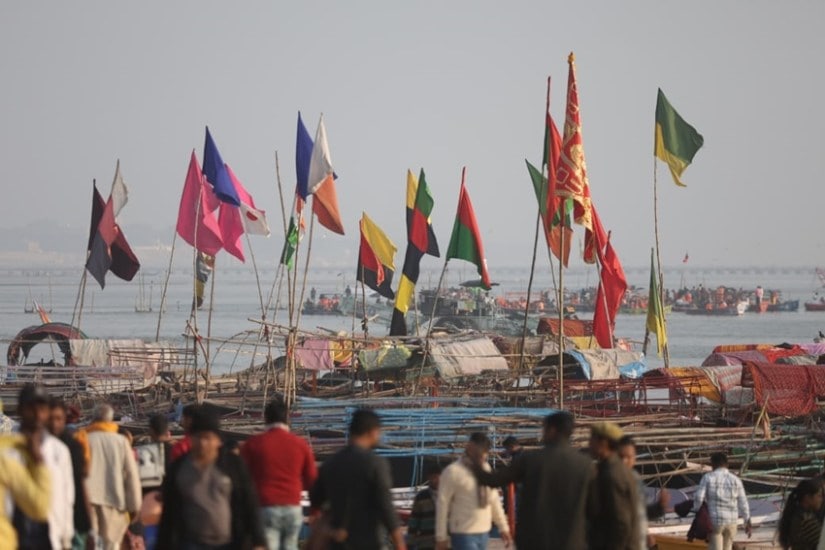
818 302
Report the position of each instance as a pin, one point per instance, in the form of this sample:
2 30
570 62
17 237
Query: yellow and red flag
571 175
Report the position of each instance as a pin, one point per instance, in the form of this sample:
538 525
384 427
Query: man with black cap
613 500
57 532
555 481
208 499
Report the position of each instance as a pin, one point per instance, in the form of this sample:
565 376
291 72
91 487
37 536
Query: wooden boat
715 310
788 305
815 306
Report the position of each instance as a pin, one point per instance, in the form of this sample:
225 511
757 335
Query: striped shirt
725 496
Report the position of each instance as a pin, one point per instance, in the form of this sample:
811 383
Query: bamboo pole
82 298
560 307
665 350
166 284
426 353
208 353
529 291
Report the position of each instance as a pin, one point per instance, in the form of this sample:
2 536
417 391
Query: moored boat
815 306
721 310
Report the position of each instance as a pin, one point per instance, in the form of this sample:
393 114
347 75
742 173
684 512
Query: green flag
676 141
655 311
290 244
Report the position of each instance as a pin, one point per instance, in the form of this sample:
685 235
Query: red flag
595 238
612 288
197 224
368 261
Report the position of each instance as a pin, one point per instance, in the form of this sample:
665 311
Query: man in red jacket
281 465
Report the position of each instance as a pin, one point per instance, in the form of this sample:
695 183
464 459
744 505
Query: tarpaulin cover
798 360
535 348
455 357
143 357
727 348
725 378
387 356
773 354
786 390
695 381
813 349
721 359
609 364
817 376
314 354
572 327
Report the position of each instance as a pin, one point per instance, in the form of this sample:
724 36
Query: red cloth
181 448
281 465
787 390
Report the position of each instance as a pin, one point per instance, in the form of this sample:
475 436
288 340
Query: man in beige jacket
465 510
113 484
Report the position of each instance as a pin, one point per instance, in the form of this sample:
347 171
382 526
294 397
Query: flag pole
208 353
81 288
166 284
426 353
82 298
529 292
193 313
560 307
665 350
279 274
257 275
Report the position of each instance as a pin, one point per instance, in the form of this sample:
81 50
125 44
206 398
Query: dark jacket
82 522
247 530
353 487
613 507
551 511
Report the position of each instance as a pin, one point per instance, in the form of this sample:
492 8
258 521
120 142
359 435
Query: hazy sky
433 84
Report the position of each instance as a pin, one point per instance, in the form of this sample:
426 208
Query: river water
110 313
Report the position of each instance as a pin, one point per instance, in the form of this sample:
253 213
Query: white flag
320 164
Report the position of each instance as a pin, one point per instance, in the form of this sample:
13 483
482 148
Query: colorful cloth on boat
314 354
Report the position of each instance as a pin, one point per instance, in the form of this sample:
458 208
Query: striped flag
420 240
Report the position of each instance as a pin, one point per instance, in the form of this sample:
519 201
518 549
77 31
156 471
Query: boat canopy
144 359
453 357
26 339
609 364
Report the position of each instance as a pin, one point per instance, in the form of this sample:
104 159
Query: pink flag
254 220
197 224
232 229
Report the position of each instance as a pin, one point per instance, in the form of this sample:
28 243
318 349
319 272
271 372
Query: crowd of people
82 487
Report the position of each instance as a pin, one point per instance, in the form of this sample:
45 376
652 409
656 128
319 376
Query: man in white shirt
465 510
727 502
33 408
